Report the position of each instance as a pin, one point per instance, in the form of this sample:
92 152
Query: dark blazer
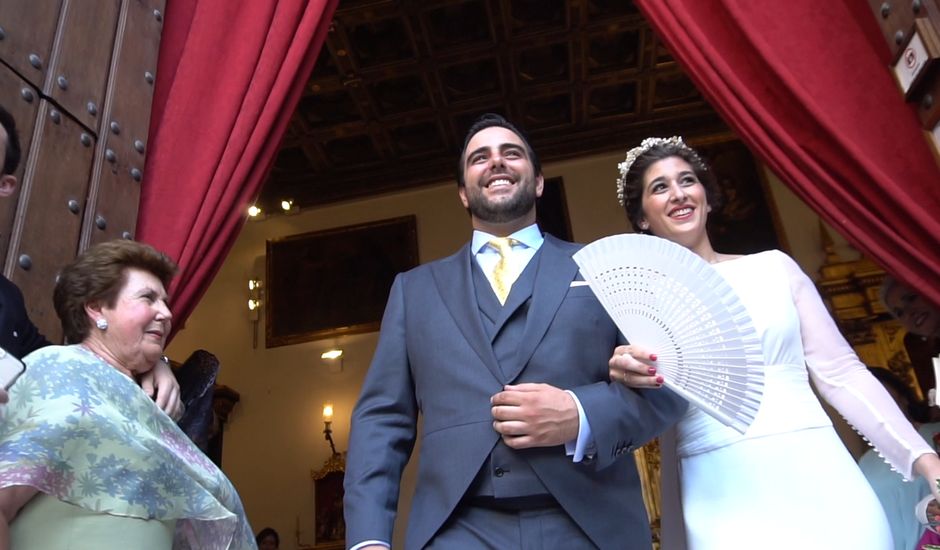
18 335
433 357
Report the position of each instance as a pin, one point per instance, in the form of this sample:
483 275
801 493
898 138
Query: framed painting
334 282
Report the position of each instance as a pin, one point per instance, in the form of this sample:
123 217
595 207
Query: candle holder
327 425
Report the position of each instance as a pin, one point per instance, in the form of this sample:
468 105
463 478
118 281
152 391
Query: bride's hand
635 367
928 466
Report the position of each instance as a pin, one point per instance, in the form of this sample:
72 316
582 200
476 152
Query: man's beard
504 211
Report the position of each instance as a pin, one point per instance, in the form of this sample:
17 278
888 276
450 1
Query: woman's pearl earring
101 323
644 225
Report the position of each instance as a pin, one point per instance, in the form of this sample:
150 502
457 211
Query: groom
504 351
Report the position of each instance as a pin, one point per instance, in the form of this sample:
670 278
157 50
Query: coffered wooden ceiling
398 83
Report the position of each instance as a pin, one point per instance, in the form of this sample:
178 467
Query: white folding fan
669 300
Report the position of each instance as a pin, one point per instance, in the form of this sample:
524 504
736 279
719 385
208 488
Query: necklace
120 369
87 349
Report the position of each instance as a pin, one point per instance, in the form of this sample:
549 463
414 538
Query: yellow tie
503 274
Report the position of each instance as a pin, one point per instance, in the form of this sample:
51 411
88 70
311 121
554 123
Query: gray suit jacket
433 357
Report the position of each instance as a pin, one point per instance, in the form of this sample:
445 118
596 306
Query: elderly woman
85 454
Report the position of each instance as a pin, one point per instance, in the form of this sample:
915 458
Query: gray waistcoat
506 473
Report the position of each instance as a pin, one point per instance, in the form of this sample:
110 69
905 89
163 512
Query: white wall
274 437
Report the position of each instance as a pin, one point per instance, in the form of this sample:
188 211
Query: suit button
498 472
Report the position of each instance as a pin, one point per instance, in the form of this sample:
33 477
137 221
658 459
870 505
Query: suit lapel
556 270
454 282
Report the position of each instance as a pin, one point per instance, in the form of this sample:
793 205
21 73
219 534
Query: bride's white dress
789 482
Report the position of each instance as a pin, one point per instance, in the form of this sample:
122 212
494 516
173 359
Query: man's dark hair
13 143
489 120
268 532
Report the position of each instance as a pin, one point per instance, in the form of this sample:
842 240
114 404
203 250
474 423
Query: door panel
82 171
119 166
46 232
79 69
29 28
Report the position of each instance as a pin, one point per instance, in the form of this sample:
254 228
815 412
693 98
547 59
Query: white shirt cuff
368 543
584 444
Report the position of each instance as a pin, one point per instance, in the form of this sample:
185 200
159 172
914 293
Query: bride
787 482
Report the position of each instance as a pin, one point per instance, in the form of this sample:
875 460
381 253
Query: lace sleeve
846 384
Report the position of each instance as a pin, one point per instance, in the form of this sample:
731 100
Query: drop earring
101 323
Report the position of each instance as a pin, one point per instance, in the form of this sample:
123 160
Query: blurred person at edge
921 319
268 539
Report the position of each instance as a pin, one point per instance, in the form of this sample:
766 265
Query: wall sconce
334 358
254 308
327 424
254 298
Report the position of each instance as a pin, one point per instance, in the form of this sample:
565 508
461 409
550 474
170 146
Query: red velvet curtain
229 77
806 85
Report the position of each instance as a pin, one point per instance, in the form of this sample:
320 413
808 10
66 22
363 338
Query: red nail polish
660 379
652 357
651 370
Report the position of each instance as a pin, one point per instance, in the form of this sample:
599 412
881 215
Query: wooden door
78 77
